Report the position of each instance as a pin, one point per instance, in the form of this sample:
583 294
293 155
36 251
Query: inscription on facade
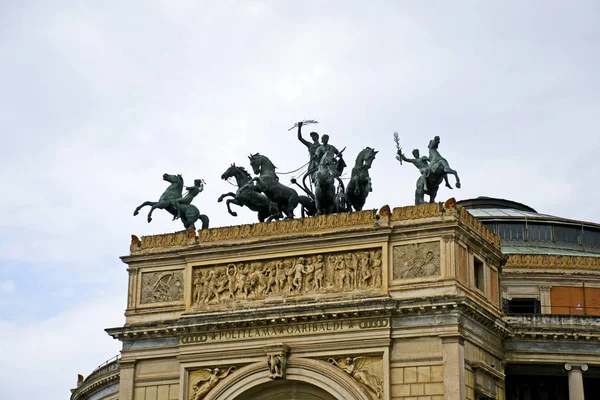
290 276
163 286
287 330
417 260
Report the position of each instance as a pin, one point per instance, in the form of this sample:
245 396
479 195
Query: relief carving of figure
298 270
210 287
198 284
309 272
330 271
276 365
208 380
350 272
231 281
340 272
288 277
280 276
319 272
365 270
376 268
355 368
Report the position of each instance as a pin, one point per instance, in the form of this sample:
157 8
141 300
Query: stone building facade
409 303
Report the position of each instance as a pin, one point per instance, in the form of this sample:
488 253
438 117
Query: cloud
8 287
58 348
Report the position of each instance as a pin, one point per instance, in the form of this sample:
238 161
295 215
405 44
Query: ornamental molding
257 231
478 227
552 261
417 212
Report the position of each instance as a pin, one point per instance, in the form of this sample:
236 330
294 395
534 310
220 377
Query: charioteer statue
433 169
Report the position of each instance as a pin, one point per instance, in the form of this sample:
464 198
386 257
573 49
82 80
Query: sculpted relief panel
417 260
202 381
290 276
366 370
162 286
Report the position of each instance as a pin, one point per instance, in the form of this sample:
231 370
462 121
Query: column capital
575 367
545 288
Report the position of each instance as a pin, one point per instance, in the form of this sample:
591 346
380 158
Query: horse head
237 172
365 157
173 178
260 164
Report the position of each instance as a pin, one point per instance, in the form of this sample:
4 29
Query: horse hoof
220 199
136 212
234 213
458 185
149 219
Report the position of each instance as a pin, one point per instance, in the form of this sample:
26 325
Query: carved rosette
417 260
355 270
162 287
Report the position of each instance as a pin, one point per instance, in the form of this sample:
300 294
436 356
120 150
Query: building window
510 231
567 234
591 238
478 274
539 233
524 306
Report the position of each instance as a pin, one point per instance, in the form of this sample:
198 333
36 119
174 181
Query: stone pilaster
453 351
127 373
576 380
545 299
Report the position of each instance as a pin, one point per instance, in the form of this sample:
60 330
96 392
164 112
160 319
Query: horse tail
204 220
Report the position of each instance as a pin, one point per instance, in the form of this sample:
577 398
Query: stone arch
310 373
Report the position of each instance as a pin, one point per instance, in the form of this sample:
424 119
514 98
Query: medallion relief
161 287
290 276
417 260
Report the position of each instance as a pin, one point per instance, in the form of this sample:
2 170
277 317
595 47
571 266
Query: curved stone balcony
102 383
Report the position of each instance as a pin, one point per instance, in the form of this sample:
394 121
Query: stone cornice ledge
275 315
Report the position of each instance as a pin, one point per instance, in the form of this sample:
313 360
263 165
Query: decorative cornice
259 230
552 261
417 212
271 316
478 227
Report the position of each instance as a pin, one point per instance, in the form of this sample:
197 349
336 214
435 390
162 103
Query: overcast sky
99 99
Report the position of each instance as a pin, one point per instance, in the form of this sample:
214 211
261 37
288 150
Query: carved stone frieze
551 261
367 371
478 227
289 276
416 212
162 286
417 260
202 381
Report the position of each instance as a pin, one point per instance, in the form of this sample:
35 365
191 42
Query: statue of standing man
312 149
